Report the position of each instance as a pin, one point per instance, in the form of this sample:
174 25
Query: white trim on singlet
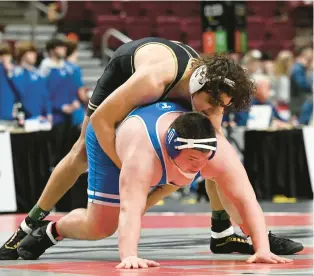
96 201
104 195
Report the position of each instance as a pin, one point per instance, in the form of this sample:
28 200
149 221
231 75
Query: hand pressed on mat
136 262
267 257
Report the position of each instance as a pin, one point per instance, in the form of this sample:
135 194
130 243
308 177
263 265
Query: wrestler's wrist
262 248
127 256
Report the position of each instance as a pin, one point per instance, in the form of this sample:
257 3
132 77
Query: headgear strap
174 144
198 80
193 143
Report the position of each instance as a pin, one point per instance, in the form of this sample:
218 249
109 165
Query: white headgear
198 80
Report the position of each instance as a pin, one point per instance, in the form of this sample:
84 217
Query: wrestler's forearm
254 219
133 196
129 232
159 193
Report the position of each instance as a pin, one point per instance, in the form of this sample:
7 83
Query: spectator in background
310 74
262 97
35 94
7 97
268 69
306 113
72 58
301 87
283 64
236 57
252 63
59 79
77 87
10 77
268 65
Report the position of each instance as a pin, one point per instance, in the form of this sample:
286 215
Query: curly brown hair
220 66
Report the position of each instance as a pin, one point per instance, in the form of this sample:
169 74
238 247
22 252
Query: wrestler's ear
194 63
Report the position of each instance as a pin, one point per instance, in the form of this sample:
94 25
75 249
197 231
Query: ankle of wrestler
221 224
37 213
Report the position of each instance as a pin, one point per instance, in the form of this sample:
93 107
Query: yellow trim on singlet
178 44
174 57
92 104
133 69
186 69
193 50
190 55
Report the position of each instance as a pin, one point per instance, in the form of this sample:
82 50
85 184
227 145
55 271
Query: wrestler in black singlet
121 67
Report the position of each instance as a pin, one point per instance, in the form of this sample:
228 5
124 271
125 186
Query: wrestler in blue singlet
103 177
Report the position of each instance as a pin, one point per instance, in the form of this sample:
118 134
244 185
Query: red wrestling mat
169 267
170 220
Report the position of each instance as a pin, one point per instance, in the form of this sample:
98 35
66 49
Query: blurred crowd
285 84
47 89
51 88
55 91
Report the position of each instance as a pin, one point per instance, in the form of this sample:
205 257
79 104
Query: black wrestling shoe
283 246
231 244
34 244
8 251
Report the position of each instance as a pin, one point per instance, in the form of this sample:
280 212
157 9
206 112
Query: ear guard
198 80
174 144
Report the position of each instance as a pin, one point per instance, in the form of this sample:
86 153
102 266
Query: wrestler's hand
268 258
136 262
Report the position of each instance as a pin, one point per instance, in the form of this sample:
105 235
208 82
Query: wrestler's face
202 102
191 160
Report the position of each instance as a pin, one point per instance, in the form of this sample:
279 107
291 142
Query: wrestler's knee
98 232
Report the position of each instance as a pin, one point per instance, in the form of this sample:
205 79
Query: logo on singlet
164 106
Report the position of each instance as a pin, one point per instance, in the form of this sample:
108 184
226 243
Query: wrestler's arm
231 177
145 86
159 193
136 178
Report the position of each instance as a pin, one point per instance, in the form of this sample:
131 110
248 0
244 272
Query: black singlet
121 67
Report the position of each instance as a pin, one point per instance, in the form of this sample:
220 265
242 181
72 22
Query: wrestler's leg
61 180
223 238
66 173
94 223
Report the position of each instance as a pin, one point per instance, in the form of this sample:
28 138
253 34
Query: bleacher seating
269 26
138 27
267 23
